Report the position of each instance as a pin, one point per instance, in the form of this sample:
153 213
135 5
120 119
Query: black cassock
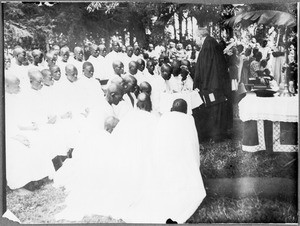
214 118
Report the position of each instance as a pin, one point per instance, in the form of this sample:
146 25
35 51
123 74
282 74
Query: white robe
174 188
25 162
117 178
124 106
21 72
143 76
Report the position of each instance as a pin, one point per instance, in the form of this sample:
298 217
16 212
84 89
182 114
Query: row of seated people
142 154
163 76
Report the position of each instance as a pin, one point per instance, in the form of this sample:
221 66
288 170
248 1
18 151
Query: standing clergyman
214 117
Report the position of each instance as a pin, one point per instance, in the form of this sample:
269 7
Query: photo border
4 221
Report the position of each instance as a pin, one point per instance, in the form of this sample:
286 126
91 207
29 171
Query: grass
40 206
218 160
245 210
227 160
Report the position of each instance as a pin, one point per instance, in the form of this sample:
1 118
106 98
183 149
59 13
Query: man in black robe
213 119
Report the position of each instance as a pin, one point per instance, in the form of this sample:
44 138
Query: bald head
19 55
36 79
133 67
179 105
144 102
141 64
37 56
145 87
114 93
55 72
50 59
94 49
130 83
136 49
78 53
47 77
17 51
34 74
175 67
118 67
102 50
115 46
166 71
71 72
110 123
64 50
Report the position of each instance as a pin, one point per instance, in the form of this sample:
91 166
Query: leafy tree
26 24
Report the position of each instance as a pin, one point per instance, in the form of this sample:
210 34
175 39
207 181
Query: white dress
174 188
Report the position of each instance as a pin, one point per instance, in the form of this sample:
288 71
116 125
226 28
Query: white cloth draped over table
149 173
283 109
275 109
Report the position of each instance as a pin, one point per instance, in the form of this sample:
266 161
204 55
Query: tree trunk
123 37
180 25
175 35
192 28
107 42
131 35
186 28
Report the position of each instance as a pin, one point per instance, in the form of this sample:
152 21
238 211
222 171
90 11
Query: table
270 123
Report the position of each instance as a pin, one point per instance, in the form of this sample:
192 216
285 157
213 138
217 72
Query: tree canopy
35 25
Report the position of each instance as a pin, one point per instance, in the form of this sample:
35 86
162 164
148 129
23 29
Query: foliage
26 24
67 23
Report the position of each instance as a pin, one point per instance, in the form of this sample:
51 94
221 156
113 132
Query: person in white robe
186 81
127 58
136 53
175 187
64 60
129 100
143 75
50 59
112 56
94 59
162 87
37 56
25 162
102 75
77 60
18 69
90 131
123 173
117 72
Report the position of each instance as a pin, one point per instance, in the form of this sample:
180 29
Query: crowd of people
123 126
